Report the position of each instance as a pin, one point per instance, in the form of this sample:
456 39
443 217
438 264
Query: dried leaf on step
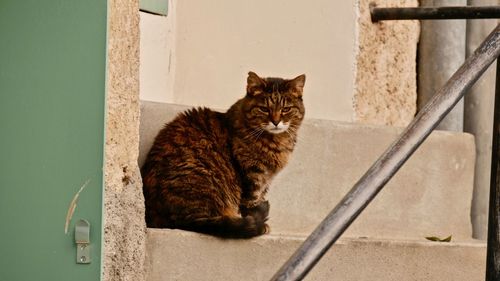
437 239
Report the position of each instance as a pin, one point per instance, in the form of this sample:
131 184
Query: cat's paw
259 211
267 229
262 209
254 227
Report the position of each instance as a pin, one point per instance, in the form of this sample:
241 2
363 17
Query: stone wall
124 225
385 84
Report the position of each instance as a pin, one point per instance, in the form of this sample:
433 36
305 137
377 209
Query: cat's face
274 104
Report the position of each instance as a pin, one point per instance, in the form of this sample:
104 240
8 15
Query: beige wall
356 70
157 55
217 42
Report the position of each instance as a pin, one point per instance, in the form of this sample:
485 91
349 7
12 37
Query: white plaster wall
201 52
157 55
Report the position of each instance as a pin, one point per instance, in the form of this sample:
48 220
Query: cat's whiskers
260 134
254 134
293 132
294 138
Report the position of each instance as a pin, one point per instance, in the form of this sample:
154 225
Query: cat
209 172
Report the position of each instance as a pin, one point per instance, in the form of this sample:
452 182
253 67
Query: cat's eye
286 109
263 109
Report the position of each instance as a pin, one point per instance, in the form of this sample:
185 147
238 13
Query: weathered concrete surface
441 53
124 226
179 255
385 85
478 120
430 196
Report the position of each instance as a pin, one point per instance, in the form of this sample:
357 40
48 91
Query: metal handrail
363 192
434 13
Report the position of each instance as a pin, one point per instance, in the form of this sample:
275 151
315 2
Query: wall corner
124 224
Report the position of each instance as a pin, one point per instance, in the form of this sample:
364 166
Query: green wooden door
52 93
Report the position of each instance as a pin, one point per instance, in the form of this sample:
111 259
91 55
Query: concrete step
181 255
430 196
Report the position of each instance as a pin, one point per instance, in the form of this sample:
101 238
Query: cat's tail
228 227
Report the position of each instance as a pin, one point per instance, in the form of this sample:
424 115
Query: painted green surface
159 7
52 88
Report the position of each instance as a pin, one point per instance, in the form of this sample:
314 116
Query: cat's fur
209 171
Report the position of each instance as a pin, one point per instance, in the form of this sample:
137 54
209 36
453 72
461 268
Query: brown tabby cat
209 172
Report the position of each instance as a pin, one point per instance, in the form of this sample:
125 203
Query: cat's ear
296 85
255 84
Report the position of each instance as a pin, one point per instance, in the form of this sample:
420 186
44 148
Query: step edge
164 233
316 121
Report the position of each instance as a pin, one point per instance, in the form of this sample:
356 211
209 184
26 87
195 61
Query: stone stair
429 196
181 255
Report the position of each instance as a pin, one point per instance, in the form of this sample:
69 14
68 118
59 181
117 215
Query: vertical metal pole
493 251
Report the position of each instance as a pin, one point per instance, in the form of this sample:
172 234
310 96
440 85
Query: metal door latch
82 240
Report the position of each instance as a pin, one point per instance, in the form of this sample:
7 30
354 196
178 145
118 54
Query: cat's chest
270 158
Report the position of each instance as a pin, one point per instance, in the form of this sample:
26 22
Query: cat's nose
275 118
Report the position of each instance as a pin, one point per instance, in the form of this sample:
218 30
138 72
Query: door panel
52 93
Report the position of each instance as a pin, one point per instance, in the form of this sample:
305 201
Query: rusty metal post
493 251
363 192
